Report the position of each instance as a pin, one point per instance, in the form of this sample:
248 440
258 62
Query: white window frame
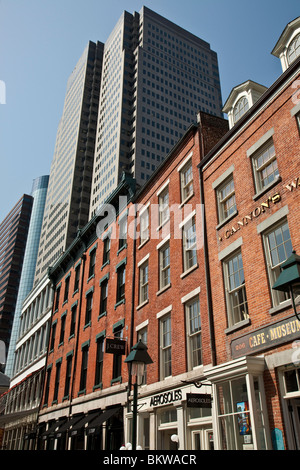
163 283
232 293
274 270
191 335
186 184
223 212
165 346
189 244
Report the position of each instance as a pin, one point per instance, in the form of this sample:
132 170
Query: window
53 331
294 49
122 232
194 343
77 277
106 250
278 247
92 262
117 360
189 245
62 328
89 306
68 374
57 379
236 298
143 283
99 360
84 366
121 283
165 347
265 166
144 225
47 388
164 264
240 108
67 284
298 121
163 202
57 297
226 199
103 296
186 180
143 336
73 319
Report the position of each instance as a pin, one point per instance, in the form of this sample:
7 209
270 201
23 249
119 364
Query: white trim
160 244
164 312
143 260
185 161
190 295
260 142
163 187
142 325
188 217
144 208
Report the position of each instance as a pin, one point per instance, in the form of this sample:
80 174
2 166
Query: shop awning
82 422
102 418
67 424
50 430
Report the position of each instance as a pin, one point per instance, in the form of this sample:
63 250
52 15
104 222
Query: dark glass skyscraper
13 237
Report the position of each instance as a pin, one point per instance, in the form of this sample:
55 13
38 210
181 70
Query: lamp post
289 280
137 359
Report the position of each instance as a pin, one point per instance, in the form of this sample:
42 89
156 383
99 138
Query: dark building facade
13 237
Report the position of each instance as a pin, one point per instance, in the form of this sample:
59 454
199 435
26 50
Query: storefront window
234 415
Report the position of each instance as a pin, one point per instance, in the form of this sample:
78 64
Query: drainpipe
206 259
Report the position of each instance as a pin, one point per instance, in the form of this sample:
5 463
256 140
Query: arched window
293 49
240 108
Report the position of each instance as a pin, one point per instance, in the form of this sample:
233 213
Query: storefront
177 419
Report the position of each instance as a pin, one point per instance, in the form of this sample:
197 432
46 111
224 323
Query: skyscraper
13 237
127 104
39 192
156 77
68 197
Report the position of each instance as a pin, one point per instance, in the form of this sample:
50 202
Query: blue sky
41 41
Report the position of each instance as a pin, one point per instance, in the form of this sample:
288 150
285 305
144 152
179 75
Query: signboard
115 346
198 400
264 338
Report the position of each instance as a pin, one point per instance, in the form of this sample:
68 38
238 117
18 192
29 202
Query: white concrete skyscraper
156 77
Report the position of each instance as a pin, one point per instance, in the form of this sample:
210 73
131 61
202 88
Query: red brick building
251 198
148 284
193 279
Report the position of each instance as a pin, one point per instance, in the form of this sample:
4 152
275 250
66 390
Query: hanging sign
115 346
198 400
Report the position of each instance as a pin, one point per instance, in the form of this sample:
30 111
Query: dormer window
294 49
240 108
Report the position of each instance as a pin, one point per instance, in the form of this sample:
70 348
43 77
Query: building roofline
251 112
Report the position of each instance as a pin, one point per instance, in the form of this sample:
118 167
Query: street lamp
137 358
289 280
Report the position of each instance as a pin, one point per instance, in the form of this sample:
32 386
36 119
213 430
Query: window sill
91 277
119 303
237 326
142 304
97 387
105 264
266 189
117 379
87 325
75 292
284 305
81 392
143 243
121 249
224 222
163 289
102 315
186 200
188 271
